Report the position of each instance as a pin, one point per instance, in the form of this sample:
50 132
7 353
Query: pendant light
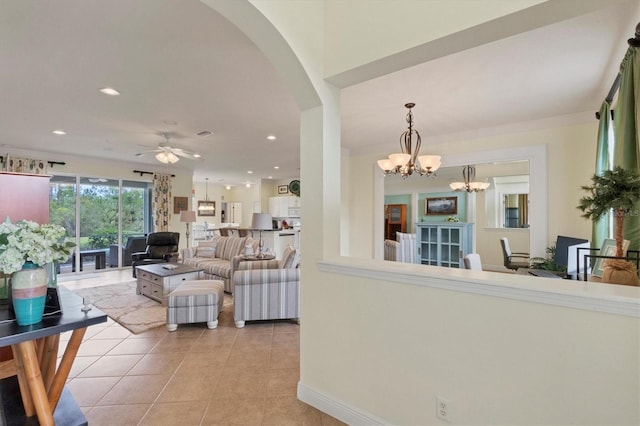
470 184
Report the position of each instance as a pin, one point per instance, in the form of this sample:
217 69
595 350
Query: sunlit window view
106 218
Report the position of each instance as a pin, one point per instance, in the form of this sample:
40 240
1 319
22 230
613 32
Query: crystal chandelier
469 184
408 161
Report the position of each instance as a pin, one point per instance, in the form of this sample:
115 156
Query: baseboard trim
340 410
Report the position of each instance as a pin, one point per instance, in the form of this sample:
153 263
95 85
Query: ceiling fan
167 154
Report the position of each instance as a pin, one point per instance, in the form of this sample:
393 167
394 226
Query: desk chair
513 260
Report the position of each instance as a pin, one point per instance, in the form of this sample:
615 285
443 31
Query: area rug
120 302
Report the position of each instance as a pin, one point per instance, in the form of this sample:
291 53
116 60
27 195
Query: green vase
29 293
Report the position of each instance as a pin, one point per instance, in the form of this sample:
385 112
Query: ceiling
181 69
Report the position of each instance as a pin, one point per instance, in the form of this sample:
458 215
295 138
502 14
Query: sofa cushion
232 246
206 249
288 257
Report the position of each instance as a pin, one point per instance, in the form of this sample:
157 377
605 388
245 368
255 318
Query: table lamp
261 222
188 217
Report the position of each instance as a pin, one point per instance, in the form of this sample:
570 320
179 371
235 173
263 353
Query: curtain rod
635 42
142 172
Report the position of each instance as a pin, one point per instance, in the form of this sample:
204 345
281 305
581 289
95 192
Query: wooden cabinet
444 244
395 220
156 283
279 206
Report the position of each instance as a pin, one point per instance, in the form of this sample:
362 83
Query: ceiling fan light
167 157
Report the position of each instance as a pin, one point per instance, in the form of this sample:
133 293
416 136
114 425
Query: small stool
195 301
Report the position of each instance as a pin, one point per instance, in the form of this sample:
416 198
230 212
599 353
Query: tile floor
193 376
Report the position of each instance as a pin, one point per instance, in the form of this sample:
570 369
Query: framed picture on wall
441 206
180 204
283 189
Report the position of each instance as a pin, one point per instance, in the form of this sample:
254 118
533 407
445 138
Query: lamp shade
261 221
167 157
187 216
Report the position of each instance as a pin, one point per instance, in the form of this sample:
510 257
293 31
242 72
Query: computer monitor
565 257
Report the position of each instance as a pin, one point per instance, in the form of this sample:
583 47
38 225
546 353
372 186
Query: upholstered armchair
403 249
133 245
161 247
266 289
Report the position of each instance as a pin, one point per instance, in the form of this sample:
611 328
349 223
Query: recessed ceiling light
109 91
271 137
196 155
228 187
269 177
276 167
250 172
248 185
204 133
59 132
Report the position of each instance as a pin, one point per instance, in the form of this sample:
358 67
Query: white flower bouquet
27 241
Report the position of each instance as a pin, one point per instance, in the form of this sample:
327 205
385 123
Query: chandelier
469 184
408 161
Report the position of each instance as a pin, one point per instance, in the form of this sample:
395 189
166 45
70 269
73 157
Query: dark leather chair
133 245
161 247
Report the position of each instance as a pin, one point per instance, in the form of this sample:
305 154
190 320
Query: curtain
161 198
626 152
25 165
600 228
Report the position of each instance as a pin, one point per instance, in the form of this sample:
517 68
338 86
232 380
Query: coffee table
156 281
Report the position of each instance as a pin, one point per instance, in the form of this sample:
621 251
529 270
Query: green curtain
600 229
161 201
626 152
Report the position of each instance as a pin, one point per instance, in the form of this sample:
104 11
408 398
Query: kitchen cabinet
395 220
276 241
279 206
443 244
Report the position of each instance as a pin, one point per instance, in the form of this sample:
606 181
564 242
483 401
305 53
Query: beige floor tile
88 391
288 340
283 382
327 420
288 410
158 363
113 332
178 344
135 390
256 327
121 415
257 358
80 363
188 387
284 358
98 347
205 363
175 413
286 326
134 346
253 341
234 411
114 365
241 383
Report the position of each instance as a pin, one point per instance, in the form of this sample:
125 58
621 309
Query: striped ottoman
195 301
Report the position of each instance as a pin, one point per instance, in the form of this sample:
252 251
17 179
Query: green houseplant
617 190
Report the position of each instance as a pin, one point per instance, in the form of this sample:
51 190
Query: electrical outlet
443 409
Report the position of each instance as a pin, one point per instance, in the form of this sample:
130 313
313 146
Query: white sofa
219 257
403 249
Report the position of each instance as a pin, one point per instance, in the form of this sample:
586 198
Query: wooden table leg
65 366
49 359
29 357
25 393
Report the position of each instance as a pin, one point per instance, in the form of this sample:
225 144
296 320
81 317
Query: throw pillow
288 257
206 249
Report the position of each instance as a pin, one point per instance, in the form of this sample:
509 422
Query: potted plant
617 190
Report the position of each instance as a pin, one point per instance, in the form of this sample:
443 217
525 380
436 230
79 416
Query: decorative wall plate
294 187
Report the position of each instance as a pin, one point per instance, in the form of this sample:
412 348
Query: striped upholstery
391 250
407 253
266 294
195 301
